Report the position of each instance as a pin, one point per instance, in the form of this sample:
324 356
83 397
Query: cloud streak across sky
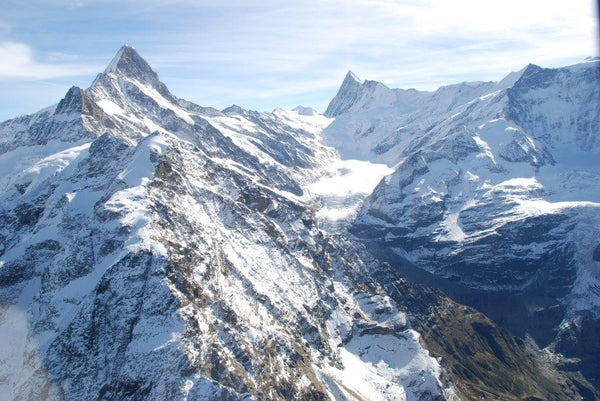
271 53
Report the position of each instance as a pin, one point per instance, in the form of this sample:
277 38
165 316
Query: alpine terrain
405 245
494 196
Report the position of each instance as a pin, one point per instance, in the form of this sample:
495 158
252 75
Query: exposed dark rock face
347 96
485 360
579 94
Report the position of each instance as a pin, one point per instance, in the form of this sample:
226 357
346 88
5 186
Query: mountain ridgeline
151 248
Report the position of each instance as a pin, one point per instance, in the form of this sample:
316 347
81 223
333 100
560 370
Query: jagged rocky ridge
151 248
494 198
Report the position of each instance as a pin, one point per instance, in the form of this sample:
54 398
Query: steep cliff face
494 199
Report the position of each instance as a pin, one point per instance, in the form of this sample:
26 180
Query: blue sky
267 54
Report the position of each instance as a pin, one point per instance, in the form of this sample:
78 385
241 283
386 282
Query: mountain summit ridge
346 96
128 62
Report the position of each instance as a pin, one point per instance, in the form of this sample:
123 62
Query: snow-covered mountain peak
128 62
126 68
347 95
234 109
72 100
352 77
72 120
132 95
530 75
558 105
305 111
356 96
511 78
76 101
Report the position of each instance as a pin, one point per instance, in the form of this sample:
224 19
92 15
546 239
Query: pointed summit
125 59
234 109
347 95
77 101
351 77
127 62
305 111
128 65
534 76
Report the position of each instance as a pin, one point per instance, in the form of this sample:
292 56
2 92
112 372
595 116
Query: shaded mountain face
494 198
151 248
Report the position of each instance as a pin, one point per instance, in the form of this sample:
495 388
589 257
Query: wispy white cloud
249 52
18 63
421 44
361 34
